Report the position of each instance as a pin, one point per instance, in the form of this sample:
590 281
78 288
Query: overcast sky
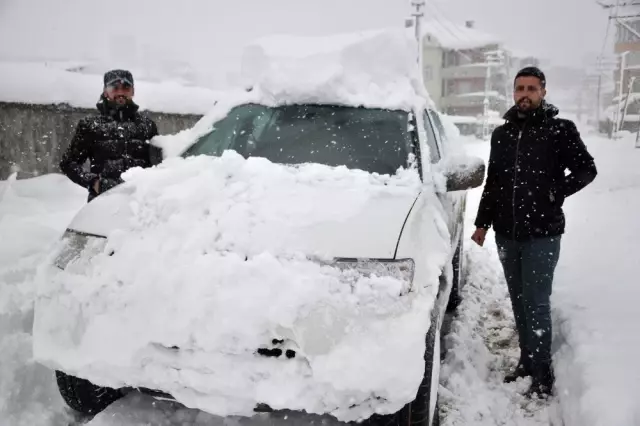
208 35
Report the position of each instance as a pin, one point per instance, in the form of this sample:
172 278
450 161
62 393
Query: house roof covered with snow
456 37
43 84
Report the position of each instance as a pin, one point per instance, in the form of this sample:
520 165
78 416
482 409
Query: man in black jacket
113 141
523 195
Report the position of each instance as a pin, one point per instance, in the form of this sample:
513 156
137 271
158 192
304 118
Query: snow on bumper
355 329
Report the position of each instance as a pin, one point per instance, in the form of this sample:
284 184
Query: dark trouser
528 268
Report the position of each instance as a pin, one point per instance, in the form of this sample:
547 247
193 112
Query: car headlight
402 269
73 244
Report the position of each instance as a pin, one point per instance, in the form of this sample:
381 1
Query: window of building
465 86
428 73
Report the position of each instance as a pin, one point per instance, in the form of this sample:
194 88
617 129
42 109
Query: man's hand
479 236
96 186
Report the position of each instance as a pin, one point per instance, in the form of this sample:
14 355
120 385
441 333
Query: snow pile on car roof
373 69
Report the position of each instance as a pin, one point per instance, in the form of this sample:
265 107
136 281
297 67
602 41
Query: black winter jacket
113 141
526 183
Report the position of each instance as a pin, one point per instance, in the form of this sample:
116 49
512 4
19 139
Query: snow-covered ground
33 215
595 298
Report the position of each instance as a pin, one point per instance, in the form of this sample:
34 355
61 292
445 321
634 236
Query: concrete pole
623 65
418 14
485 114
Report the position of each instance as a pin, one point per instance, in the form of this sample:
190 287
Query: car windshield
374 140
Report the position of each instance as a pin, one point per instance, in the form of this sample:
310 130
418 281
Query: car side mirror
463 172
155 154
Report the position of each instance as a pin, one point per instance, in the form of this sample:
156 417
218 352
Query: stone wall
34 137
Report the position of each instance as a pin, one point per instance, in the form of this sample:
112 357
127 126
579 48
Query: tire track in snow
482 347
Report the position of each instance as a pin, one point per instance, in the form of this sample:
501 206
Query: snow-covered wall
33 137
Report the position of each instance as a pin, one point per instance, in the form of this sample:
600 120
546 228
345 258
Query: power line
624 16
437 19
446 20
617 4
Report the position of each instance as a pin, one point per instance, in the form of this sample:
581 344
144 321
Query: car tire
419 412
458 277
83 396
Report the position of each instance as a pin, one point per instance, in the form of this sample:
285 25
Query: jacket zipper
126 151
515 179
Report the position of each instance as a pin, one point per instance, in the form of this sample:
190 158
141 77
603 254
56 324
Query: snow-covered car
299 252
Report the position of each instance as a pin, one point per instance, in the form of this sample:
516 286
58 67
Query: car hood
212 266
368 229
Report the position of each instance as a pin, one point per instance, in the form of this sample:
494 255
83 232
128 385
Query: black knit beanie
118 76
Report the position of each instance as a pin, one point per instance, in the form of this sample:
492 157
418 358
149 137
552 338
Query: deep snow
595 298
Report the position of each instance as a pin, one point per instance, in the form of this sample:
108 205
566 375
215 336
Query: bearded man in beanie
524 192
113 141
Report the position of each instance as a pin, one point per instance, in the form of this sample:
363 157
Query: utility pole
626 101
599 98
623 65
492 58
418 14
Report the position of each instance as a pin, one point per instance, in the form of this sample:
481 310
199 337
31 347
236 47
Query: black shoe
541 390
542 384
520 372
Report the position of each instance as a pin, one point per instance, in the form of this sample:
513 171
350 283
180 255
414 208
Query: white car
355 223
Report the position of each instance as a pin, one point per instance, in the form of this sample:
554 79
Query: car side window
237 128
432 143
439 127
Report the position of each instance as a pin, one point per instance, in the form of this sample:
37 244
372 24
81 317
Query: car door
459 198
451 201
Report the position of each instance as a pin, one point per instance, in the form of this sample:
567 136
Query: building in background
627 44
623 112
468 72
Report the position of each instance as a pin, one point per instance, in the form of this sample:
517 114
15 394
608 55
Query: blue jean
529 267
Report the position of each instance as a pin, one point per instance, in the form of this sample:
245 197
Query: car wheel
424 410
458 276
83 396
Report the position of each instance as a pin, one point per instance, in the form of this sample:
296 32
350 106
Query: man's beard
120 101
525 105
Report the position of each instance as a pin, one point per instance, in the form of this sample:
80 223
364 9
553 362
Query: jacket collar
543 112
115 111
